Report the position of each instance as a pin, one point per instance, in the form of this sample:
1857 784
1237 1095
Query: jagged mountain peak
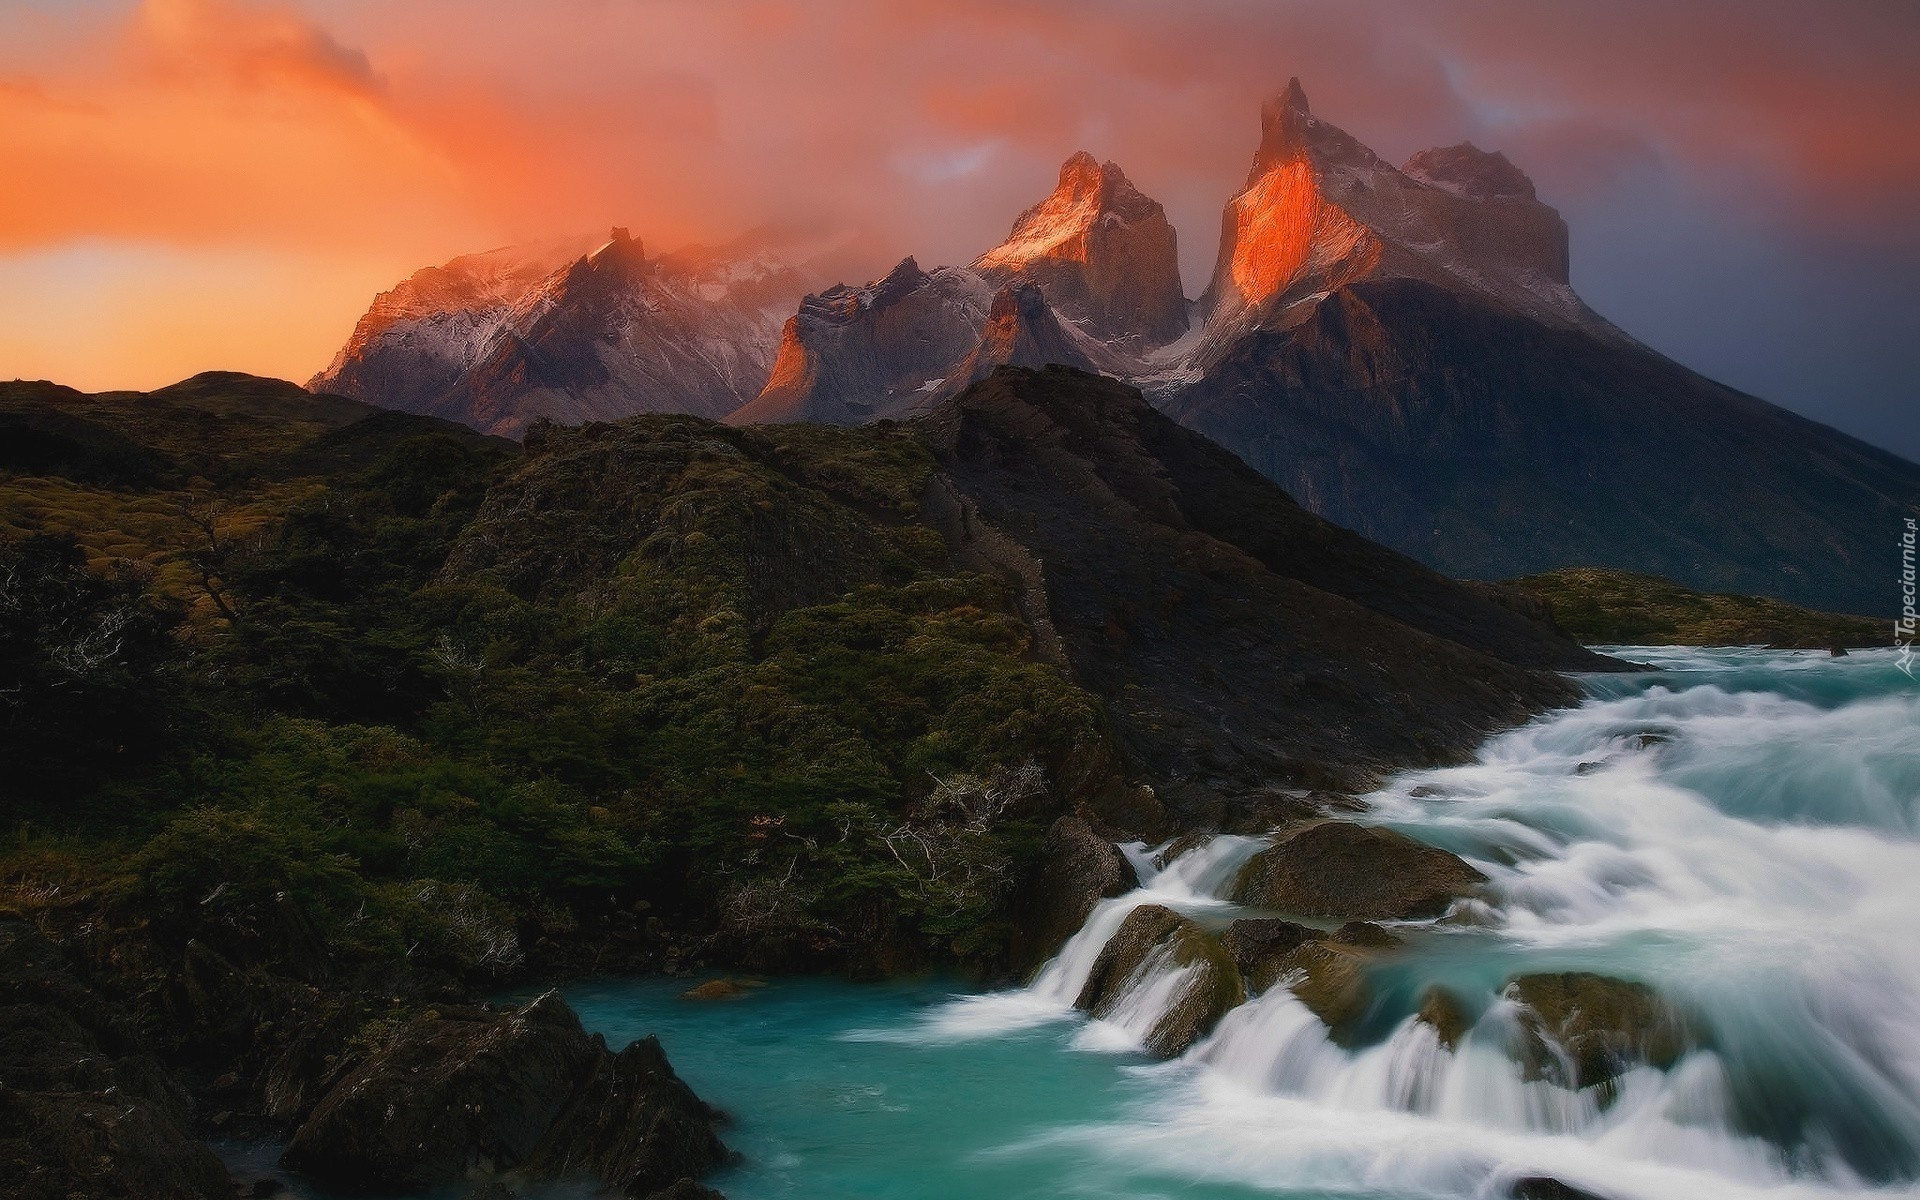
1290 133
1321 211
1089 193
1102 251
574 331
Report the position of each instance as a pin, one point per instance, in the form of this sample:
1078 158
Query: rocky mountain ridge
1400 348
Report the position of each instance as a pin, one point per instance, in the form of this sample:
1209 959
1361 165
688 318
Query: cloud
411 132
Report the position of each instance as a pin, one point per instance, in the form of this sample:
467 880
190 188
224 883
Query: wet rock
715 989
1582 1029
1441 1011
1154 938
470 1093
85 1108
1260 947
1339 869
1366 934
1077 869
686 1189
1545 1187
1180 846
1333 983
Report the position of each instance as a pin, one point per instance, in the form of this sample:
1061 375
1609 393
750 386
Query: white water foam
1745 840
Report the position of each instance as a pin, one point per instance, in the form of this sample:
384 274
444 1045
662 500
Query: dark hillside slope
1240 641
1491 445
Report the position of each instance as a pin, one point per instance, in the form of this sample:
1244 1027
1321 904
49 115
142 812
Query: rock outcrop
1261 947
1339 869
1023 331
86 1108
1320 211
1088 278
471 1094
1077 869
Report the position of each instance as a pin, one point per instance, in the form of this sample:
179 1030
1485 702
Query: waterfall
1742 837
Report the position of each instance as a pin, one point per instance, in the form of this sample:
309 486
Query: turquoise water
1741 832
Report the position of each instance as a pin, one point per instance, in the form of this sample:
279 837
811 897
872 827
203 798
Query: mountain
573 333
854 354
1089 277
1401 350
1102 253
1023 330
1237 640
1320 211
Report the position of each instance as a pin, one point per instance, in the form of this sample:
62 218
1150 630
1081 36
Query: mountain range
1400 348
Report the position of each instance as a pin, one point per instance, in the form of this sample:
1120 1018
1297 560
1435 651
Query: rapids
1741 832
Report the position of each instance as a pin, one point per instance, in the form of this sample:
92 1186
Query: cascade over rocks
473 1093
1155 938
1261 948
1077 869
1595 1027
1339 869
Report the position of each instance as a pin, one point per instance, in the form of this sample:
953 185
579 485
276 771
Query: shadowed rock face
474 1093
1238 639
1490 445
1102 253
85 1108
1022 330
857 354
1079 868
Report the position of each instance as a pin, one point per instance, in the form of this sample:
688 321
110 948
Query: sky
197 184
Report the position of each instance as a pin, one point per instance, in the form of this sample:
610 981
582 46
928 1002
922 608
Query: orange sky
225 183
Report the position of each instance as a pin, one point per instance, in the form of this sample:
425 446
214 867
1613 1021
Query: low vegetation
659 689
1620 608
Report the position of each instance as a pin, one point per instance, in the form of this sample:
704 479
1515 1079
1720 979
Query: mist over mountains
1402 349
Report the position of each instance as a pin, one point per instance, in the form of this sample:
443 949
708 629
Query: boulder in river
1260 947
1592 1027
1442 1012
472 1093
1077 869
1339 869
1155 938
1545 1187
1333 983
